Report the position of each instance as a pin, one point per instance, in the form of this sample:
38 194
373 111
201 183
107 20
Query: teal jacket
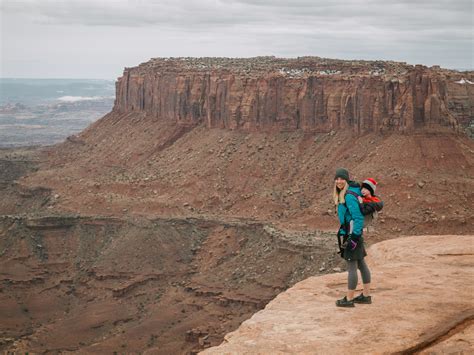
350 211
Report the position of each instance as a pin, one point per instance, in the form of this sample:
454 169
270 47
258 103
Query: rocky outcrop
268 93
461 99
422 301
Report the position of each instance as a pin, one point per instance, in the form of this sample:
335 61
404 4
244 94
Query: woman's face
340 183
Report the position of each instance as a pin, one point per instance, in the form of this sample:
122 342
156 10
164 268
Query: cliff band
308 93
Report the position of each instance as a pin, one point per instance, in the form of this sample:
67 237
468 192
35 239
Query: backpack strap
352 193
348 192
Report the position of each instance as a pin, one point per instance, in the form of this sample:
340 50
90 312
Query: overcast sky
98 38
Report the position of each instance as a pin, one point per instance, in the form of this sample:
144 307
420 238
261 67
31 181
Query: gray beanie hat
342 173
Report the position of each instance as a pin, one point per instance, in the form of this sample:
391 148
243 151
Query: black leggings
352 266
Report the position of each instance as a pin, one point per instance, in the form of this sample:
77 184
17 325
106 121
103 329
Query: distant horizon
118 76
53 78
44 111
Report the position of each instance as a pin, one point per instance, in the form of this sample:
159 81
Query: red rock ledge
423 302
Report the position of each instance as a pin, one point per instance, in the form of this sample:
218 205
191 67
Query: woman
345 195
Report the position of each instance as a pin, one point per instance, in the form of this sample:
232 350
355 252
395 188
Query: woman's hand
352 241
351 244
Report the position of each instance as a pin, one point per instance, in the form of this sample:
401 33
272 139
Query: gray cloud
188 13
416 31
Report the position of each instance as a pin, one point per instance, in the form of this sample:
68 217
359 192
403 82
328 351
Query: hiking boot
362 299
344 302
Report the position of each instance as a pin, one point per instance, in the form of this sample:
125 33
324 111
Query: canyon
206 192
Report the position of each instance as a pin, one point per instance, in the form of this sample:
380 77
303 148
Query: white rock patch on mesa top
464 81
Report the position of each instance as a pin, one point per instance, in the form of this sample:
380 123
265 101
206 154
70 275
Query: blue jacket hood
355 188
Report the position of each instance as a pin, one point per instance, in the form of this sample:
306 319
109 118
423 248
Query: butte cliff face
307 93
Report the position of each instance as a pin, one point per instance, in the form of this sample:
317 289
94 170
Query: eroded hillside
170 170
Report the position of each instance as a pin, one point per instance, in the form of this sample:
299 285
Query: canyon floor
128 283
167 246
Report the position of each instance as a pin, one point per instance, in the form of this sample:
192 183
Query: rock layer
422 299
308 93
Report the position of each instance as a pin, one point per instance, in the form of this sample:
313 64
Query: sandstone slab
422 301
